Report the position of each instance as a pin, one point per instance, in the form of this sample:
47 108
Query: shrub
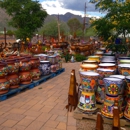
79 57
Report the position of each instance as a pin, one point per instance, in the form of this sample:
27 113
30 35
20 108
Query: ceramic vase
87 100
36 73
14 81
50 53
128 85
127 110
107 108
4 86
53 68
52 59
95 58
45 67
25 77
89 62
42 57
3 70
89 67
124 69
35 62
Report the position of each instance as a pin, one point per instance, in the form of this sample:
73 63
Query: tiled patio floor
41 108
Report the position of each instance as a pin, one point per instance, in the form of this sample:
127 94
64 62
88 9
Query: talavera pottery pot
103 49
87 101
124 58
53 68
24 65
36 73
95 58
127 110
25 77
14 81
3 70
52 59
121 92
35 62
128 84
107 108
42 57
124 69
4 86
99 53
45 67
89 67
89 80
112 86
107 66
89 62
124 61
50 53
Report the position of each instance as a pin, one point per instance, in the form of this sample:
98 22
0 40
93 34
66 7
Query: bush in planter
79 57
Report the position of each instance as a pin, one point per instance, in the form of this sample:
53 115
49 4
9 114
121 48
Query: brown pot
25 77
34 61
3 70
36 73
4 85
14 81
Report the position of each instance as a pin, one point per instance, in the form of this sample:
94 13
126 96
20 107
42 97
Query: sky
76 7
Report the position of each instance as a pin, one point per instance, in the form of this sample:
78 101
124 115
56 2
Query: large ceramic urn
36 73
4 85
45 67
87 100
112 89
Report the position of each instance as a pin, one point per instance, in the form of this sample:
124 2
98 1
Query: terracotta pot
53 68
14 81
36 73
89 67
127 110
24 65
25 77
35 62
3 70
4 86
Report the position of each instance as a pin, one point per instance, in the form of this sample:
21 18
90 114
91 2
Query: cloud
73 6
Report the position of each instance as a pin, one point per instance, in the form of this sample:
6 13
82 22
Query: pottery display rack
13 92
79 115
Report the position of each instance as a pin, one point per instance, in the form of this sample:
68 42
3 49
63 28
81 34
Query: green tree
26 16
51 28
74 25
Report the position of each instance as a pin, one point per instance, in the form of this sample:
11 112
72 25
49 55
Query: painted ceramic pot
103 49
107 109
121 92
89 80
42 57
124 69
127 110
25 77
36 73
45 67
124 61
3 70
14 81
50 53
52 59
57 66
87 101
58 57
35 62
95 58
13 68
112 86
108 58
24 65
89 62
4 85
107 66
53 68
124 58
128 84
89 67
60 64
99 53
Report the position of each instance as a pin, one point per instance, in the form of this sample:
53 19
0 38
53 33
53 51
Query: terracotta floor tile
46 109
19 127
47 128
32 113
25 122
2 120
36 107
35 125
53 117
71 121
58 112
5 109
7 128
1 127
30 117
9 123
17 111
61 119
52 124
61 126
71 128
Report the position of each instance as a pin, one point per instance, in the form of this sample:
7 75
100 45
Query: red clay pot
36 73
3 70
35 62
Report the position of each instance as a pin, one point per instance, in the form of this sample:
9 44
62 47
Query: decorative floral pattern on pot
24 65
45 67
113 86
4 86
3 70
53 68
36 73
124 69
14 81
128 85
13 69
107 109
25 77
52 59
35 62
127 110
87 101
